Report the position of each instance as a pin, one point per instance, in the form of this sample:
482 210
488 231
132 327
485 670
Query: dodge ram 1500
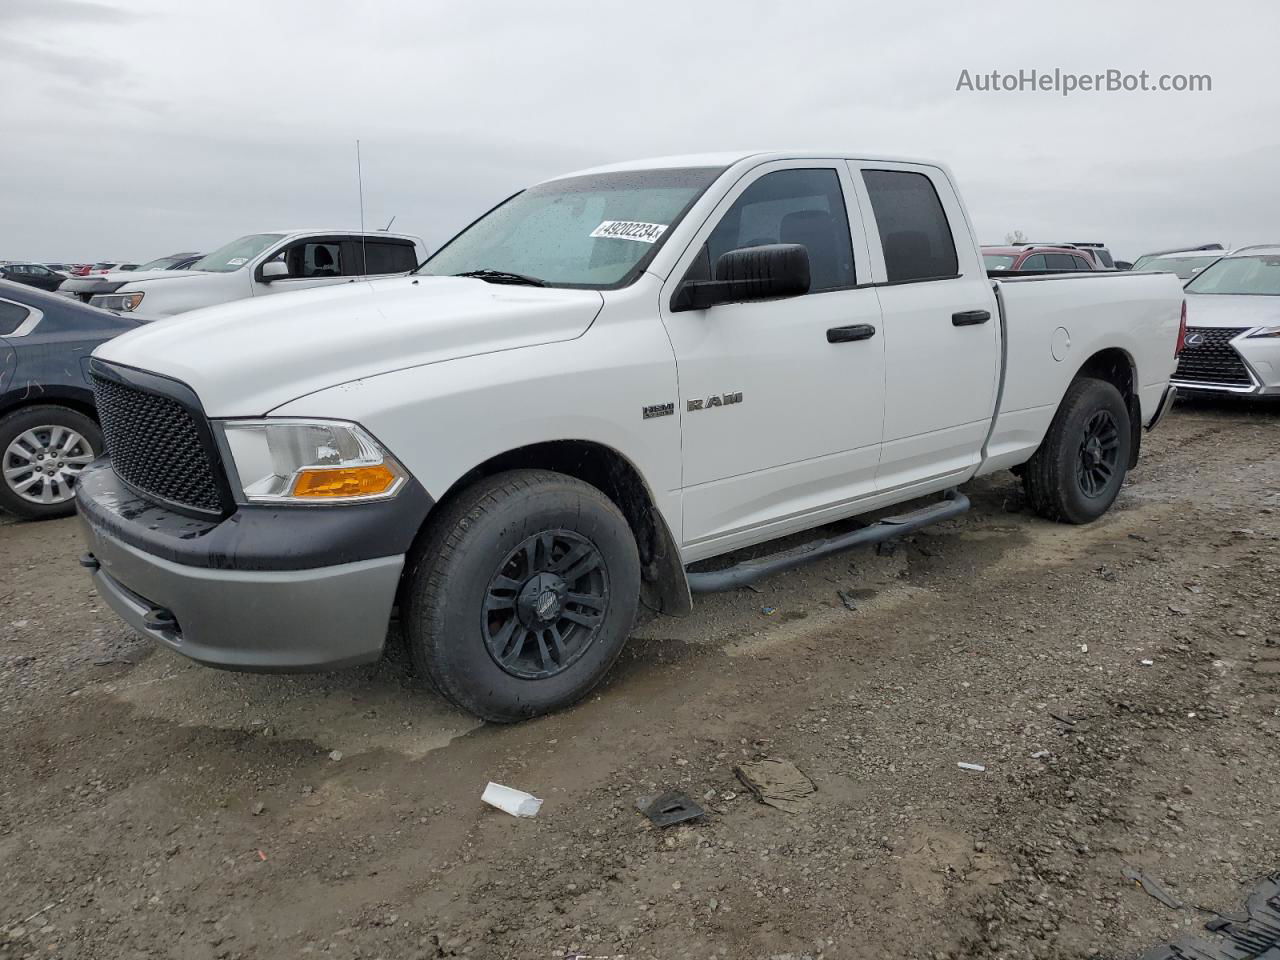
606 378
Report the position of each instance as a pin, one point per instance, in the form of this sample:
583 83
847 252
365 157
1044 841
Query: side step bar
953 504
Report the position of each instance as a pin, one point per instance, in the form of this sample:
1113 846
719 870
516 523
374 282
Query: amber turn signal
344 481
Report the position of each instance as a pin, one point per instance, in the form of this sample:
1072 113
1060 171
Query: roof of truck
729 157
342 231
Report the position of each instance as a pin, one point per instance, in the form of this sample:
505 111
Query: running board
953 504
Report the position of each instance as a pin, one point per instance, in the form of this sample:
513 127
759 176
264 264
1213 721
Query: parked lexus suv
1232 343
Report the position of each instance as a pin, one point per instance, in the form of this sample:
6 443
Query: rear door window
914 232
384 256
1060 261
11 316
1034 262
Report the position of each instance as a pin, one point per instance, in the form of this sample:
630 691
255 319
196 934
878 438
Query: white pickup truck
606 378
278 261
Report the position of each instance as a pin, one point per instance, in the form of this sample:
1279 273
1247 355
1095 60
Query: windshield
164 263
1241 276
594 231
1184 267
236 253
998 261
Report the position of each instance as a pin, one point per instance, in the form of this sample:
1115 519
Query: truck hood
248 357
112 282
1217 310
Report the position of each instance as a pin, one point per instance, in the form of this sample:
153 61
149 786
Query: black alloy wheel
545 605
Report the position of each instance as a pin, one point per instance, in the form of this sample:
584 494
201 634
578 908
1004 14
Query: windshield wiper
503 276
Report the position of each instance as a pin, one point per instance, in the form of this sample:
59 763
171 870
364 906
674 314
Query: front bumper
1259 358
247 592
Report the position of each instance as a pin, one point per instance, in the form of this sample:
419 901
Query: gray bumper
322 618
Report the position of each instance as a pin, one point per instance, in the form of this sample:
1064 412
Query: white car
277 261
1184 264
607 377
1232 343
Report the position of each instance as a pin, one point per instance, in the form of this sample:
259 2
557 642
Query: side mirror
751 273
273 270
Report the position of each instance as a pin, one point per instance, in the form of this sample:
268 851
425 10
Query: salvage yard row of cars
494 440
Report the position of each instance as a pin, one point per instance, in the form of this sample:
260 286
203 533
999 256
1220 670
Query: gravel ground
1119 683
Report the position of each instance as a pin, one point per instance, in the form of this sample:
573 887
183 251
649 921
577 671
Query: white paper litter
510 800
975 767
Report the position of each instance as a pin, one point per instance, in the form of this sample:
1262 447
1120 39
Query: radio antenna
364 265
389 223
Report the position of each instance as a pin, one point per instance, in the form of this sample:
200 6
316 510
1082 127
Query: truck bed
1053 324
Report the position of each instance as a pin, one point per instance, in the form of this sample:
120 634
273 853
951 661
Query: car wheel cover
41 464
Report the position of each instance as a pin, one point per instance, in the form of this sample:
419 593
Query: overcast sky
134 129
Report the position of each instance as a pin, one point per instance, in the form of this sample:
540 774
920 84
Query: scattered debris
1040 755
975 767
1106 573
335 755
512 801
777 783
1255 934
1064 719
768 611
1152 888
1141 538
262 856
1084 648
847 599
259 808
670 808
1148 663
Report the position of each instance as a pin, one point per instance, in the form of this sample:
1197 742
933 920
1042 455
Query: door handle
858 331
970 318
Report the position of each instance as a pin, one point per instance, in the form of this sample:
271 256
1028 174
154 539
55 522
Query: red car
1031 257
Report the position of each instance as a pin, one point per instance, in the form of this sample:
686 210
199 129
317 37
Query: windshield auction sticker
630 230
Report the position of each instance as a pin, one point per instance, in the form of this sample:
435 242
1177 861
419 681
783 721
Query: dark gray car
48 427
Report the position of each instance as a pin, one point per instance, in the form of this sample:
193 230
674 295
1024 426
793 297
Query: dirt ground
1120 683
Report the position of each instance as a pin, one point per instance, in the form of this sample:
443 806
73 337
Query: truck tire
520 595
1077 473
42 450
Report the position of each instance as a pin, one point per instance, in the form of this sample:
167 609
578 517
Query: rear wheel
42 451
521 595
1080 467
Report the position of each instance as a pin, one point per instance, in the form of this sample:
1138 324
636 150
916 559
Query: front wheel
42 451
1077 473
521 594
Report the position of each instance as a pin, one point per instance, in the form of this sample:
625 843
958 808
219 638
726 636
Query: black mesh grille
154 445
1213 359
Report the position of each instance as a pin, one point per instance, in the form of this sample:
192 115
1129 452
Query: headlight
117 301
1265 332
310 461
